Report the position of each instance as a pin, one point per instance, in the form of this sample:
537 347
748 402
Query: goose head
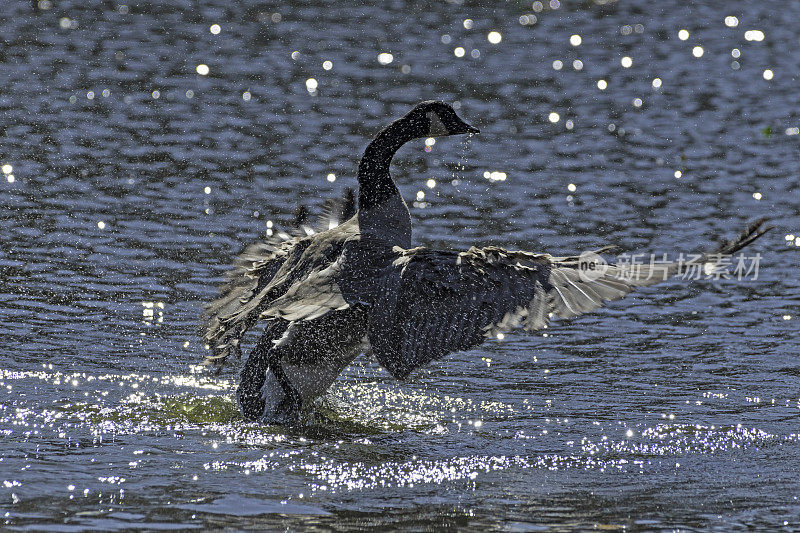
436 119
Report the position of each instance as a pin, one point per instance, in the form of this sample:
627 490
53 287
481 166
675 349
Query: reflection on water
142 146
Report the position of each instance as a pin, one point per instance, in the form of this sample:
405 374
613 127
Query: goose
360 287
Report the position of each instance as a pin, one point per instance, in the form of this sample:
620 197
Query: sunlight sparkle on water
754 35
626 62
331 177
311 85
768 74
577 64
215 29
7 169
683 35
697 51
731 21
558 64
495 175
602 84
494 37
327 65
384 58
553 117
575 40
468 24
678 174
736 53
656 83
458 52
202 69
757 195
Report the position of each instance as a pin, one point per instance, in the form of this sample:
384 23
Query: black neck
375 185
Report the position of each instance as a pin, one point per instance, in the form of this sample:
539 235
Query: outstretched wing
228 318
431 303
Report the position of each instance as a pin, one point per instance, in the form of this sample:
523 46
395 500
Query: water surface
132 180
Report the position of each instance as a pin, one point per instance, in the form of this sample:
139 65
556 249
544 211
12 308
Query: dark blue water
132 180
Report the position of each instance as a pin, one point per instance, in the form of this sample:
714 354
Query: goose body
360 287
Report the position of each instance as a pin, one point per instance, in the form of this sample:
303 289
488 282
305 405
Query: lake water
132 175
